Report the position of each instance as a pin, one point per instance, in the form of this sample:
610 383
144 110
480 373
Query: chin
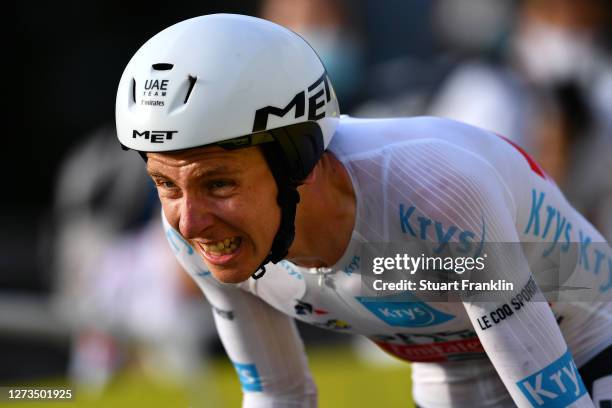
230 275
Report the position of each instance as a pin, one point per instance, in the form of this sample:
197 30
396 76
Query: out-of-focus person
543 80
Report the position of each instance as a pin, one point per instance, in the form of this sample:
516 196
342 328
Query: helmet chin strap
287 199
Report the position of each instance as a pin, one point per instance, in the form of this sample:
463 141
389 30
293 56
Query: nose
196 217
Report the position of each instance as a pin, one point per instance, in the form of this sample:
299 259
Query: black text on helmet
316 101
154 136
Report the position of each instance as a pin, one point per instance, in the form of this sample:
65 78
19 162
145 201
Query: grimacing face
223 202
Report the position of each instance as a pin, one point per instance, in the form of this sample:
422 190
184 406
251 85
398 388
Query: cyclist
271 199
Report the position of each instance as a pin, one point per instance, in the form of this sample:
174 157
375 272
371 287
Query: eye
164 183
220 186
215 184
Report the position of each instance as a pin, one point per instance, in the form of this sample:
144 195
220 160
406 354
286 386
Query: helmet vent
133 90
162 66
192 81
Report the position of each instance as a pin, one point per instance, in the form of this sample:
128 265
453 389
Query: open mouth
225 246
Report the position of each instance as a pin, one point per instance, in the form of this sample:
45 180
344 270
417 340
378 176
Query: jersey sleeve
262 343
522 339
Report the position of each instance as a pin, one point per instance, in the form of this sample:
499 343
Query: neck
325 216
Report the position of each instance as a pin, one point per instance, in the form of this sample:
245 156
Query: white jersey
437 181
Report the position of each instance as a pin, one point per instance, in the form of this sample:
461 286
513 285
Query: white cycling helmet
233 81
219 77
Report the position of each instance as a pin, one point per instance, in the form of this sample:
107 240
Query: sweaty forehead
205 158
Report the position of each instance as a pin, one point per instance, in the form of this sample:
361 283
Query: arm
262 343
265 349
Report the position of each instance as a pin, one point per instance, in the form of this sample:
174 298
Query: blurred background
90 295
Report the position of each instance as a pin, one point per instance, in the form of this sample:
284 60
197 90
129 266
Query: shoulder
420 148
442 178
428 153
442 170
360 136
413 126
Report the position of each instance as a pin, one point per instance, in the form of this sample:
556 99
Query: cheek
270 220
257 213
269 214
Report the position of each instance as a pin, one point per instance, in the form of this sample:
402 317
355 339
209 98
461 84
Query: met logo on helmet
154 136
316 101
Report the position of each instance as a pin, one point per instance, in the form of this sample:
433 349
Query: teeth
224 246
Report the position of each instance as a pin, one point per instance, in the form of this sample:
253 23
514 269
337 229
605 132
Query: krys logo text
425 228
404 311
548 223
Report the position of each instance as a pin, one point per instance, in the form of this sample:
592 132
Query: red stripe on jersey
532 163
